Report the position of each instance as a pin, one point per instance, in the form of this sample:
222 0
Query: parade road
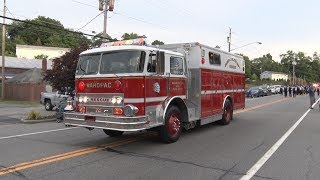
272 138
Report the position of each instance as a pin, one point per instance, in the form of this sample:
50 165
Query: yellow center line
80 152
259 106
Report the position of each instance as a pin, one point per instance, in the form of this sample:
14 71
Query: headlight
130 110
85 99
116 100
119 100
80 99
113 100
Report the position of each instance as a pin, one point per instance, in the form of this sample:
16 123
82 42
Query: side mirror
160 63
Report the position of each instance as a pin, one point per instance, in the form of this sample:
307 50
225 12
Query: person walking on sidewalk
311 91
285 91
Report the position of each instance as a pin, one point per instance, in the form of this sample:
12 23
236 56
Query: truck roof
127 47
193 44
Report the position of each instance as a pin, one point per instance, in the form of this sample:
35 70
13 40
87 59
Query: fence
24 91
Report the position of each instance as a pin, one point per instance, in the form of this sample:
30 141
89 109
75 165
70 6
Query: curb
37 121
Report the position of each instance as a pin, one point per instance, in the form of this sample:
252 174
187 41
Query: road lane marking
256 167
68 155
259 106
41 132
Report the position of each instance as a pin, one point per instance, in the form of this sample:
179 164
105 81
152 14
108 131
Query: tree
63 71
44 31
127 36
41 56
96 40
157 42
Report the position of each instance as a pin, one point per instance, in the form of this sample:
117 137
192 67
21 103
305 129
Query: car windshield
111 63
122 62
88 64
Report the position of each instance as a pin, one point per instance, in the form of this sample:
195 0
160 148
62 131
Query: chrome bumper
109 122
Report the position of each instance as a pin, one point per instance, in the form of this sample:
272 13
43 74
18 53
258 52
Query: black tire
113 133
227 115
171 130
47 105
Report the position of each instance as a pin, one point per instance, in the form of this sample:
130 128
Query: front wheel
113 133
227 115
48 106
171 130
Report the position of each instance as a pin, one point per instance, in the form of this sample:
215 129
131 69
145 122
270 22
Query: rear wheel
227 115
171 130
47 105
113 133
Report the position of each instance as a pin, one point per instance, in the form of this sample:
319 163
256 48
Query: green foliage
41 56
64 68
50 33
33 115
157 42
127 36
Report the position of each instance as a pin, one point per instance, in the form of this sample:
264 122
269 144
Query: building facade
274 76
30 52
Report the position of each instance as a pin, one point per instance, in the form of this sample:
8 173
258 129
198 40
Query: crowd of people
293 91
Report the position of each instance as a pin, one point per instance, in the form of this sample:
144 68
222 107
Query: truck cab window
176 65
214 58
151 66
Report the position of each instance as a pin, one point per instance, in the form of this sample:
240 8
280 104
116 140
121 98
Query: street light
246 45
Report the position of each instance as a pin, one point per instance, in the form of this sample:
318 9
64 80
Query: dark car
255 92
266 91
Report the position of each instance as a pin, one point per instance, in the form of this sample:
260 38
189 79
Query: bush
33 115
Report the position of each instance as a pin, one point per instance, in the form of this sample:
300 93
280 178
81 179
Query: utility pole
229 39
3 49
105 19
105 6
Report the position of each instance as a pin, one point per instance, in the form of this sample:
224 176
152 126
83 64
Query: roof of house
31 76
21 63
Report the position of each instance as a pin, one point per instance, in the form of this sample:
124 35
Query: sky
280 25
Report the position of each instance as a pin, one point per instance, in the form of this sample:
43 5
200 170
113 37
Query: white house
274 75
29 52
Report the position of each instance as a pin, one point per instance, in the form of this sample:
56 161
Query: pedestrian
311 96
290 89
294 91
318 90
285 90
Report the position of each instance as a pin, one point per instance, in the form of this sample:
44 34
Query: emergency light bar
140 42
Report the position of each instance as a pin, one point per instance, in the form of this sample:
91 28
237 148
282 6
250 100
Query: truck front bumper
108 122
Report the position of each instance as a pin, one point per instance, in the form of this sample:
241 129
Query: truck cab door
176 68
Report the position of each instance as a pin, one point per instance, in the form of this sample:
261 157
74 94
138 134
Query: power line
85 4
10 12
54 27
90 21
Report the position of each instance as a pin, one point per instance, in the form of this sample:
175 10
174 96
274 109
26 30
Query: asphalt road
213 151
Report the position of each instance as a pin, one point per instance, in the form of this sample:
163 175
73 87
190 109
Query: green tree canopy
44 31
157 42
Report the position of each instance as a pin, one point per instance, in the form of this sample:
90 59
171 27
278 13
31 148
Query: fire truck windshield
112 63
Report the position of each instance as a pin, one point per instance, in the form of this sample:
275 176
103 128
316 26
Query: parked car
266 90
255 92
50 100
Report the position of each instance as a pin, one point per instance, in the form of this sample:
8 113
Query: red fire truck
166 88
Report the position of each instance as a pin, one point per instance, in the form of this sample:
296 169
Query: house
30 52
274 75
14 65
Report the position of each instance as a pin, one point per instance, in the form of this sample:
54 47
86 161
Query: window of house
214 58
176 65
